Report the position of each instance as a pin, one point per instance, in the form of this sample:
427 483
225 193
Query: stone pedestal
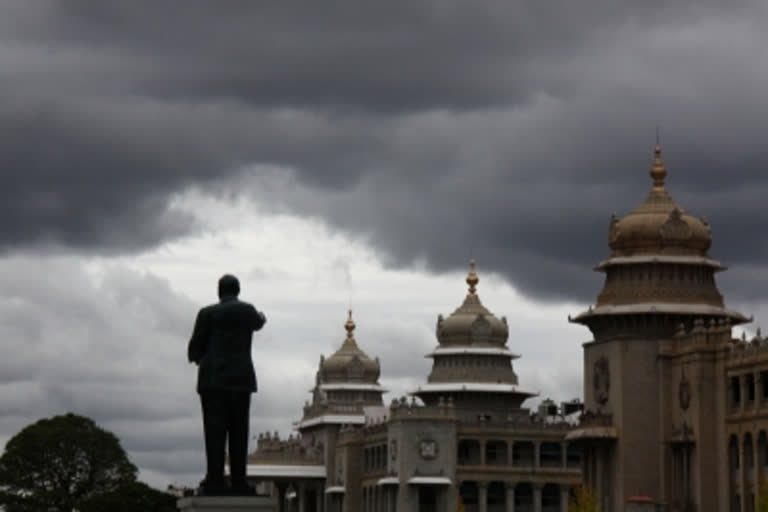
640 504
227 504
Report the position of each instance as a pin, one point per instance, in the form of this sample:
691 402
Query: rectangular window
750 382
764 384
735 386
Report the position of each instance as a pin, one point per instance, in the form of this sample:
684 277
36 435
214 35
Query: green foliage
762 496
57 464
131 497
583 500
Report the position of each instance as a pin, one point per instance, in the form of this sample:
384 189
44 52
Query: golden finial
472 278
350 325
658 171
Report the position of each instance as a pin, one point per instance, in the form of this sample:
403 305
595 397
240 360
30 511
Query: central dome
472 323
349 364
659 225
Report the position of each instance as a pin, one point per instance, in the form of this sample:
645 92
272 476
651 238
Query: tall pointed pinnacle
658 171
472 278
350 327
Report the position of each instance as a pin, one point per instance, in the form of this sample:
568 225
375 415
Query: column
536 453
743 466
758 467
599 476
537 497
564 452
300 498
742 404
281 496
319 497
511 497
564 495
482 452
482 496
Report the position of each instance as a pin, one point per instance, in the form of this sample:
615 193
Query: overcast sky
345 152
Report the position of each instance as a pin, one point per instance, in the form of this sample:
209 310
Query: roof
447 351
592 433
480 387
283 470
660 307
351 387
333 419
429 480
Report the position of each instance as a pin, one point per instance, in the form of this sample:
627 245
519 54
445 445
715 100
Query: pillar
511 497
537 497
599 476
281 496
319 497
742 465
300 497
482 496
564 495
742 404
757 467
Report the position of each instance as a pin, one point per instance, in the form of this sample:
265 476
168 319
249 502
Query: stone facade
660 369
463 438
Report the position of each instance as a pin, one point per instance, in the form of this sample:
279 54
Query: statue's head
229 286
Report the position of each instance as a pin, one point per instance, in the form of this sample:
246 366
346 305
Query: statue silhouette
221 347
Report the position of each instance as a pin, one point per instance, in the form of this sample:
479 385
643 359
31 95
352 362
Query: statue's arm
198 343
258 319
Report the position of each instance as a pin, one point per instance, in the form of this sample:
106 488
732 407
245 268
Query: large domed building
656 372
675 419
463 437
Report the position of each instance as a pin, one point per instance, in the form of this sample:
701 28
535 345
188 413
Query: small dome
472 323
659 225
349 363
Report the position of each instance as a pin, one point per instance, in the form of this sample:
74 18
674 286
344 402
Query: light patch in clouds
106 337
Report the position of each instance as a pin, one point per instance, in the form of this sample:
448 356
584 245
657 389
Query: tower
654 371
472 366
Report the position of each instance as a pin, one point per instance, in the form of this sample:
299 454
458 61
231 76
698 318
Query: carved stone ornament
601 380
428 448
481 329
613 229
355 370
684 393
439 326
675 228
393 449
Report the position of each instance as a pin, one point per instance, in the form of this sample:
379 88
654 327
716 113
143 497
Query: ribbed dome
472 323
349 364
659 225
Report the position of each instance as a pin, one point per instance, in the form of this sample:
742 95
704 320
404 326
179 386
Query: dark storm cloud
506 130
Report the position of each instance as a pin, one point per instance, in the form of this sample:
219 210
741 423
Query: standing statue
221 347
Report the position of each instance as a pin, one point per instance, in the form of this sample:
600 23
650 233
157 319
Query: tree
57 464
583 500
762 496
131 497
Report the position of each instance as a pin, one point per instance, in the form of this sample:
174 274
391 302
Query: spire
350 327
472 278
658 171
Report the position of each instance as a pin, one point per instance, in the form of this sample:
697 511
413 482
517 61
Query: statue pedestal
227 504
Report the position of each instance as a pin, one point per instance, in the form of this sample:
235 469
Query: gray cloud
434 130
